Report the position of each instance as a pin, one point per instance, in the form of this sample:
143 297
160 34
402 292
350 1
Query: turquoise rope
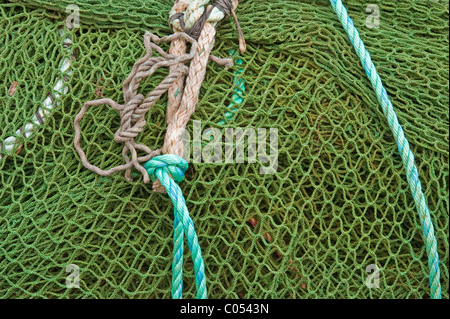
169 169
239 89
403 147
236 98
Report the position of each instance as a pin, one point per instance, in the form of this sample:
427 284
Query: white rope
59 89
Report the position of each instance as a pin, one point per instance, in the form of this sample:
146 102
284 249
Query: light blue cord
403 147
169 169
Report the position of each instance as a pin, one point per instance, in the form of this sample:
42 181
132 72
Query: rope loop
133 111
175 165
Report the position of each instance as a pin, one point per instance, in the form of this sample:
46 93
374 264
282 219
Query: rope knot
191 17
171 164
132 121
133 111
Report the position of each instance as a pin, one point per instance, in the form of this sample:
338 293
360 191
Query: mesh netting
338 202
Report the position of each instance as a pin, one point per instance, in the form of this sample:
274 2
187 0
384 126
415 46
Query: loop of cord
133 111
214 13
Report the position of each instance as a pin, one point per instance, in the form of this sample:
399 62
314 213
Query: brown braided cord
132 112
181 101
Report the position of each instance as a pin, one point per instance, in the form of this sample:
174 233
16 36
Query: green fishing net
338 202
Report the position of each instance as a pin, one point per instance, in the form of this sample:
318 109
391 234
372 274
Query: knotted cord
167 169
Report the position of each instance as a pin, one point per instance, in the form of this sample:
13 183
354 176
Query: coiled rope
412 174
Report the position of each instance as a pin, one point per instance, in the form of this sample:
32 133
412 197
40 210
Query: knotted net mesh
338 202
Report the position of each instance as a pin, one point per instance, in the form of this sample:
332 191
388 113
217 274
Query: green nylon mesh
338 202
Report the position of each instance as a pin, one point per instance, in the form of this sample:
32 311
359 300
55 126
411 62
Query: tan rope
178 120
181 106
172 142
177 47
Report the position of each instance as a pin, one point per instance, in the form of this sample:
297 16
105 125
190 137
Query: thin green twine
403 147
239 89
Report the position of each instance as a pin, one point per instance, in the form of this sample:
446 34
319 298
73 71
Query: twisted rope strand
403 147
168 169
177 47
172 141
177 261
133 111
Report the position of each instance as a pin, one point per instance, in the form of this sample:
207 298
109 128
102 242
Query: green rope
236 98
167 169
238 92
403 147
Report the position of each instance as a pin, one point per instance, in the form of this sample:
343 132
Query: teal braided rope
403 147
177 261
169 169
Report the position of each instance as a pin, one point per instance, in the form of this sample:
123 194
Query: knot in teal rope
167 169
171 164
